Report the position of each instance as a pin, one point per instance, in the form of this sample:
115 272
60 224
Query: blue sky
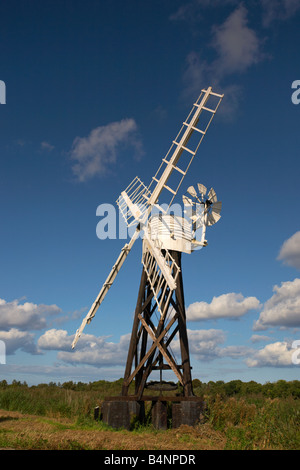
95 93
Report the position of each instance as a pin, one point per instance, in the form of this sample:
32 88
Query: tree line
237 388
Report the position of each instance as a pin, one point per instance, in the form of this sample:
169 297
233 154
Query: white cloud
290 251
205 345
92 350
196 74
26 316
230 305
237 48
47 146
237 45
235 352
259 338
99 353
283 308
97 152
55 340
277 354
15 339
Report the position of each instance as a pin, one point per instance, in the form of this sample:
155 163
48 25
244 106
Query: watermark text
296 94
2 352
296 354
2 92
175 222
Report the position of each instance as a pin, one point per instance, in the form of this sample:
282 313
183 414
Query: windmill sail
185 146
106 286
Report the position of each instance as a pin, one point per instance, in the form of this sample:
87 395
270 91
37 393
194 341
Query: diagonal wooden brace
156 343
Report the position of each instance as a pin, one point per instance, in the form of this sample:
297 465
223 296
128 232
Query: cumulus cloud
92 350
55 340
283 308
99 353
206 345
26 316
230 305
290 251
237 45
237 48
259 338
95 154
277 354
15 339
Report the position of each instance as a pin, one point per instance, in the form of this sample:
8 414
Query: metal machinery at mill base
160 318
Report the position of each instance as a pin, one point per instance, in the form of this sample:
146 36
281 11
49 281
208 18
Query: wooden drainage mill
160 316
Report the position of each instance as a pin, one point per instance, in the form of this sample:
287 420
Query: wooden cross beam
156 344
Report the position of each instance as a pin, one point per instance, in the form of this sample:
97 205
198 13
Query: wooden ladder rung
165 186
184 148
209 110
205 108
198 130
188 150
213 94
174 167
169 189
194 128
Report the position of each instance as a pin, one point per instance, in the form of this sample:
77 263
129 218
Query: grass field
238 416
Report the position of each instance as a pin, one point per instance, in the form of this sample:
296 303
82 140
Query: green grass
258 423
247 416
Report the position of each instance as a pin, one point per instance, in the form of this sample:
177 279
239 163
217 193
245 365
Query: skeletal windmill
160 311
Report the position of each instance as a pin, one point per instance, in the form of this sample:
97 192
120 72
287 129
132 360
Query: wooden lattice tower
145 356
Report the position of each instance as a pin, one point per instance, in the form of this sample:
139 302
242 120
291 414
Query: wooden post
132 352
184 345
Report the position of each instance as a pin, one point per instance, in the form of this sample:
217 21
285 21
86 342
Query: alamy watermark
2 92
296 354
177 224
2 352
296 94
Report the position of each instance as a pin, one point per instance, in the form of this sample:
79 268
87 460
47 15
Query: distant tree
196 383
268 390
3 384
69 385
233 387
16 383
251 388
295 388
282 389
